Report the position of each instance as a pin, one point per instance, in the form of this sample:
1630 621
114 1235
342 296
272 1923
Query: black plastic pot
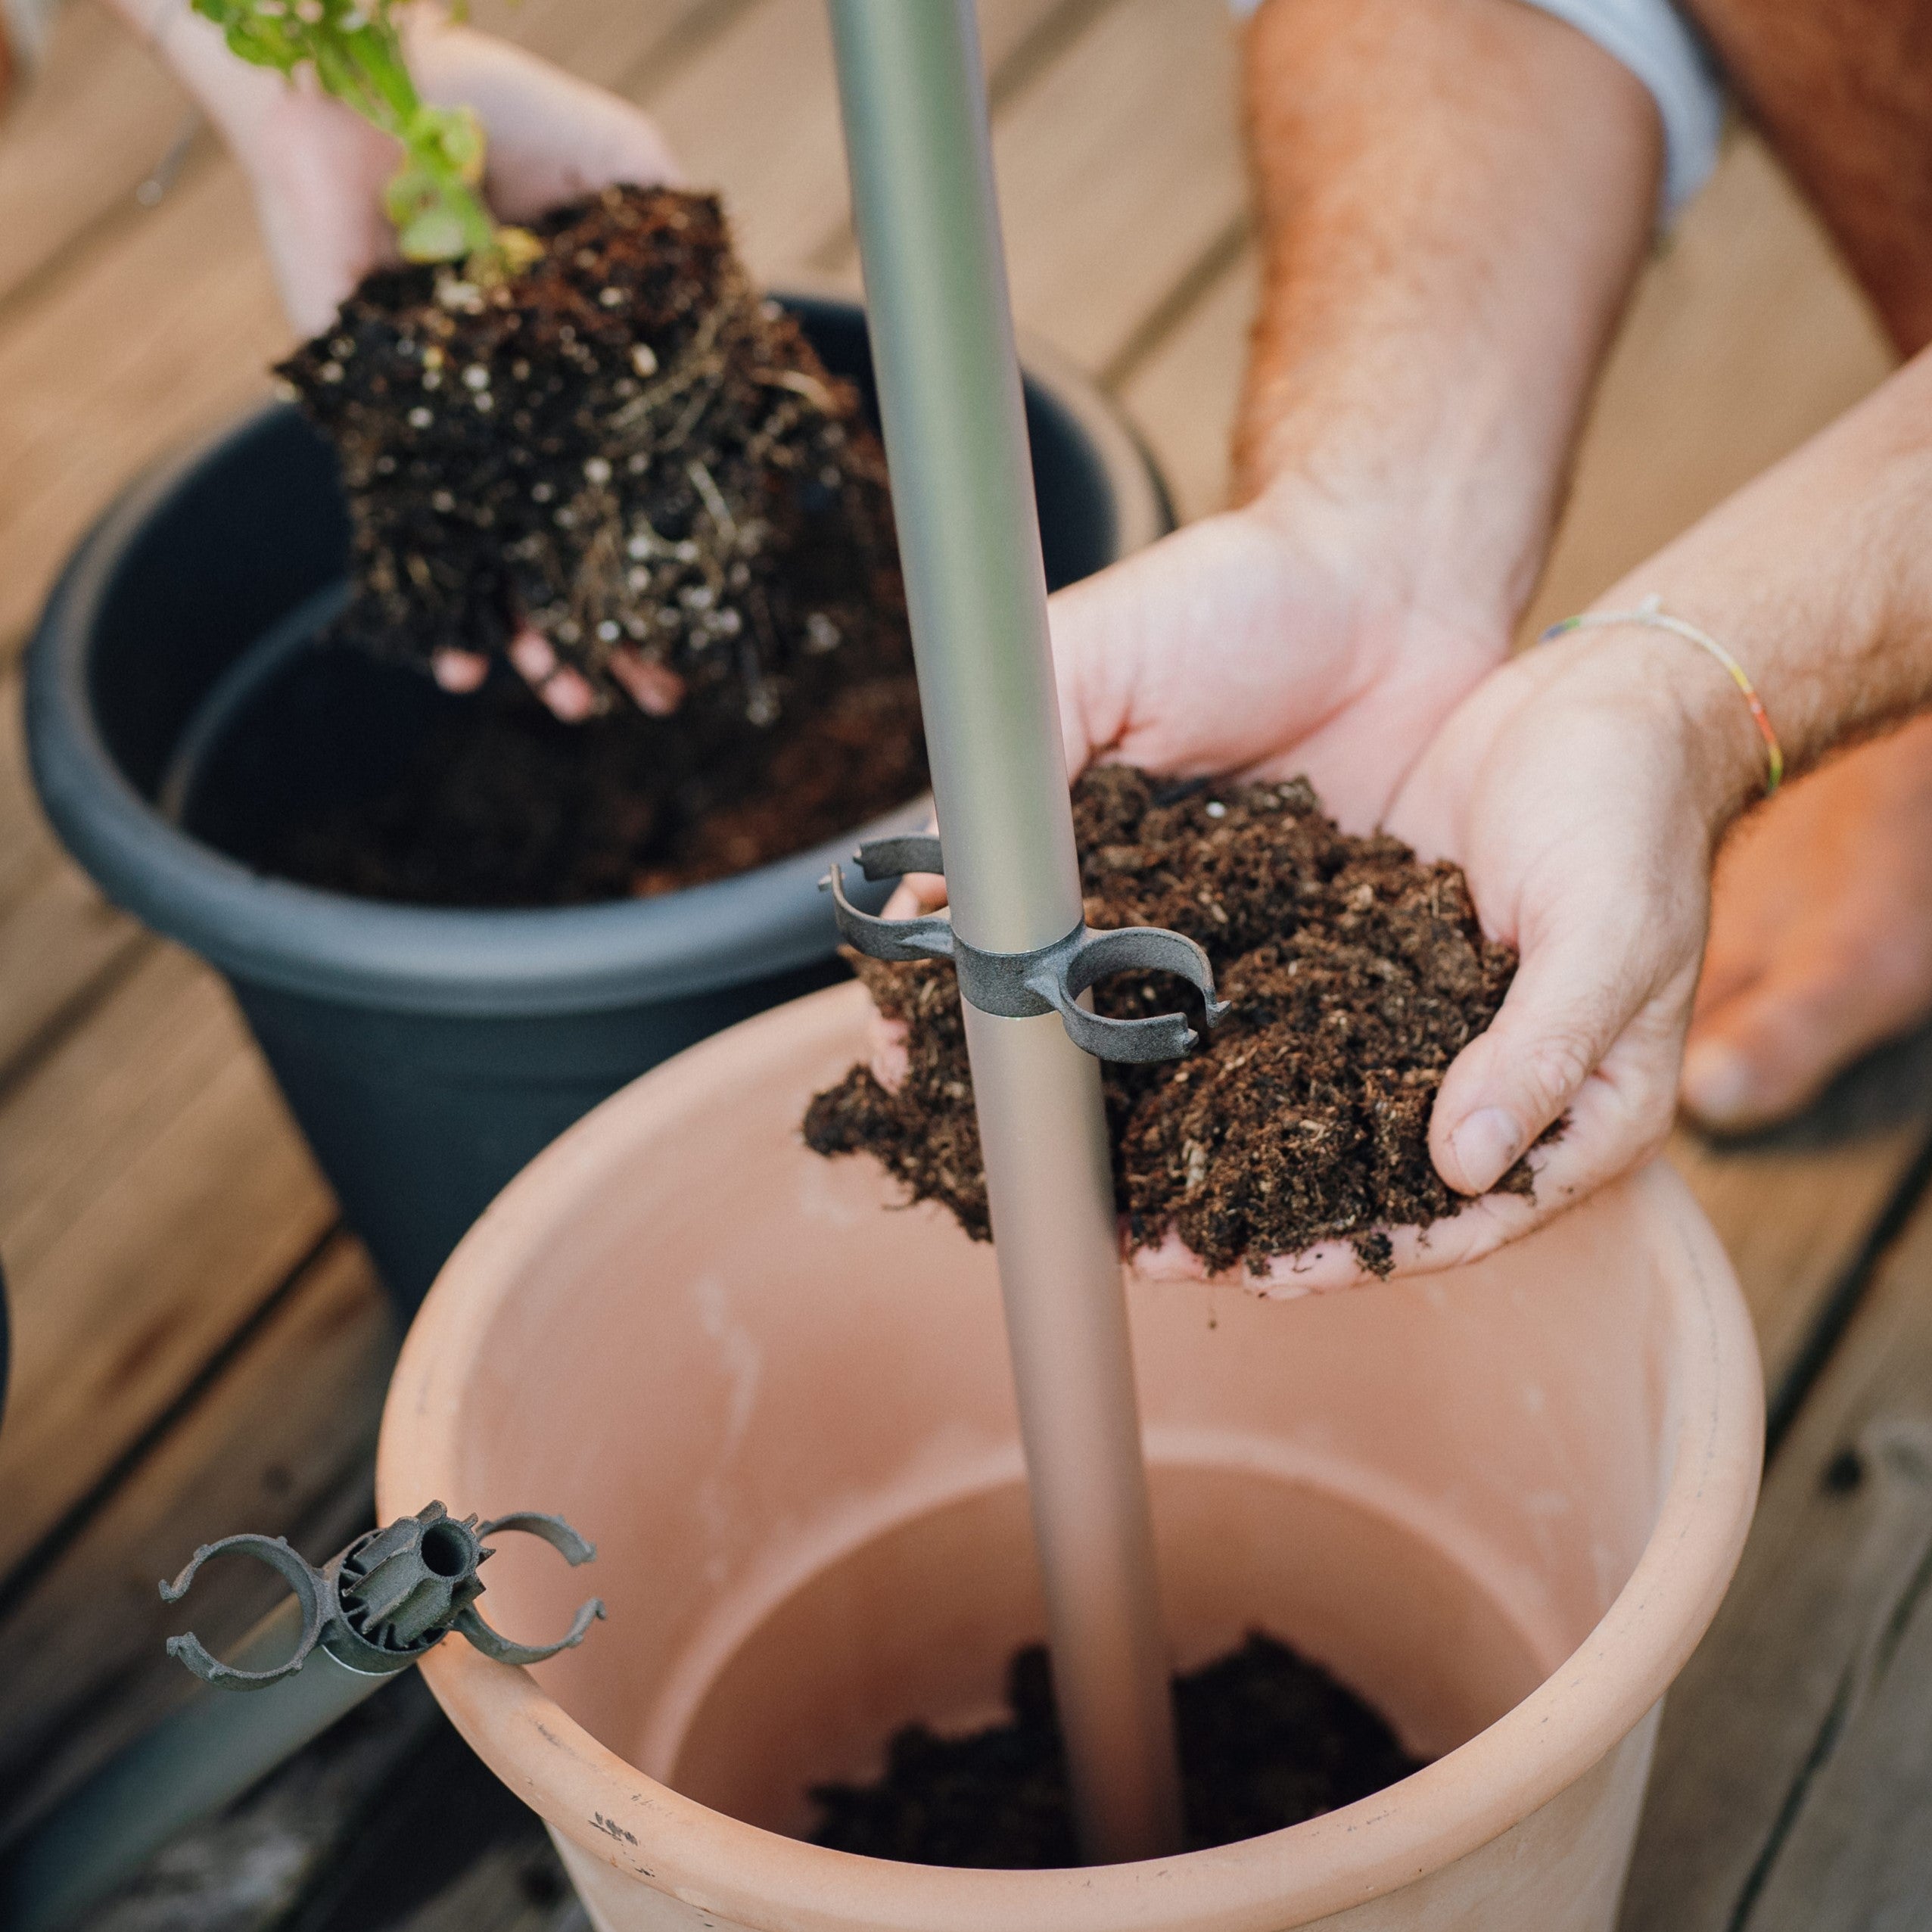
429 1054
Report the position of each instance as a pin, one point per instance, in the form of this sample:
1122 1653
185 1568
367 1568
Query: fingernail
1484 1146
1718 1082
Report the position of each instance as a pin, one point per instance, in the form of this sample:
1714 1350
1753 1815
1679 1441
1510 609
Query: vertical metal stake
914 99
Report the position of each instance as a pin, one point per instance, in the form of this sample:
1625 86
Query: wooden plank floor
199 1348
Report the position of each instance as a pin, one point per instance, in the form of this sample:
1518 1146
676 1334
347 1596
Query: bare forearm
1454 196
1843 92
1818 577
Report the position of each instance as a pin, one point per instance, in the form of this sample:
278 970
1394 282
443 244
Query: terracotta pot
1504 1502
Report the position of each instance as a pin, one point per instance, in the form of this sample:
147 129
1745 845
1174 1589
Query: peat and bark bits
1356 975
625 448
1266 1740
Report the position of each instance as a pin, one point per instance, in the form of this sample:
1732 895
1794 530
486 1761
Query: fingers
568 693
460 672
889 1059
1619 1115
1592 1029
1160 658
917 893
654 688
318 173
1330 1266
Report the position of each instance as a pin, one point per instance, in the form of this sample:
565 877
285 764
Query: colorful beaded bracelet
1650 615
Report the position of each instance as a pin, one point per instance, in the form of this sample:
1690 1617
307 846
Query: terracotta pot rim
1432 1818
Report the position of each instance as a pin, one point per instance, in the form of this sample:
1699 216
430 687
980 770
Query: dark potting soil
500 805
1267 1739
1356 974
625 446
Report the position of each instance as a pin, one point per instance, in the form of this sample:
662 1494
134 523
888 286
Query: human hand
1582 789
1578 793
318 171
552 138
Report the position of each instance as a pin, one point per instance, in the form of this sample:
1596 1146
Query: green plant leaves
355 50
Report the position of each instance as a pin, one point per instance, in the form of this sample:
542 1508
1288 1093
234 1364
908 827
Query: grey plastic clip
312 1591
390 1597
1050 978
555 1530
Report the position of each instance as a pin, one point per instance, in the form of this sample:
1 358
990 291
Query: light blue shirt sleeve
1652 39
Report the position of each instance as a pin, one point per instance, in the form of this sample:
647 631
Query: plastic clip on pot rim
1449 1809
377 1608
335 1617
542 961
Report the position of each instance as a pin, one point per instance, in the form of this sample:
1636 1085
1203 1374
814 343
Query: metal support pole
914 100
184 1769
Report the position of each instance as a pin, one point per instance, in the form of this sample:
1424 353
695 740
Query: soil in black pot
626 448
1267 1739
499 804
1356 974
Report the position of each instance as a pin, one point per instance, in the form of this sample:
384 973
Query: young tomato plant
356 50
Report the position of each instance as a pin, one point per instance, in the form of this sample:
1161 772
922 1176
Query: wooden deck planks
58 935
1795 1220
1183 395
153 1193
1795 1763
277 1440
1121 185
101 117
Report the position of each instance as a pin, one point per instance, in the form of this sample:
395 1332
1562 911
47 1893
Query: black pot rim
540 960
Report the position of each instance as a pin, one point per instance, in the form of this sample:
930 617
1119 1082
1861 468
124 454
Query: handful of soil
622 446
1356 974
1267 1739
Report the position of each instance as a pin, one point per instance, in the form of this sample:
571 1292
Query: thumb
1093 656
1593 1027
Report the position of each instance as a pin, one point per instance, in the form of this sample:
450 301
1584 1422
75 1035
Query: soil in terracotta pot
1267 1739
1355 973
626 447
